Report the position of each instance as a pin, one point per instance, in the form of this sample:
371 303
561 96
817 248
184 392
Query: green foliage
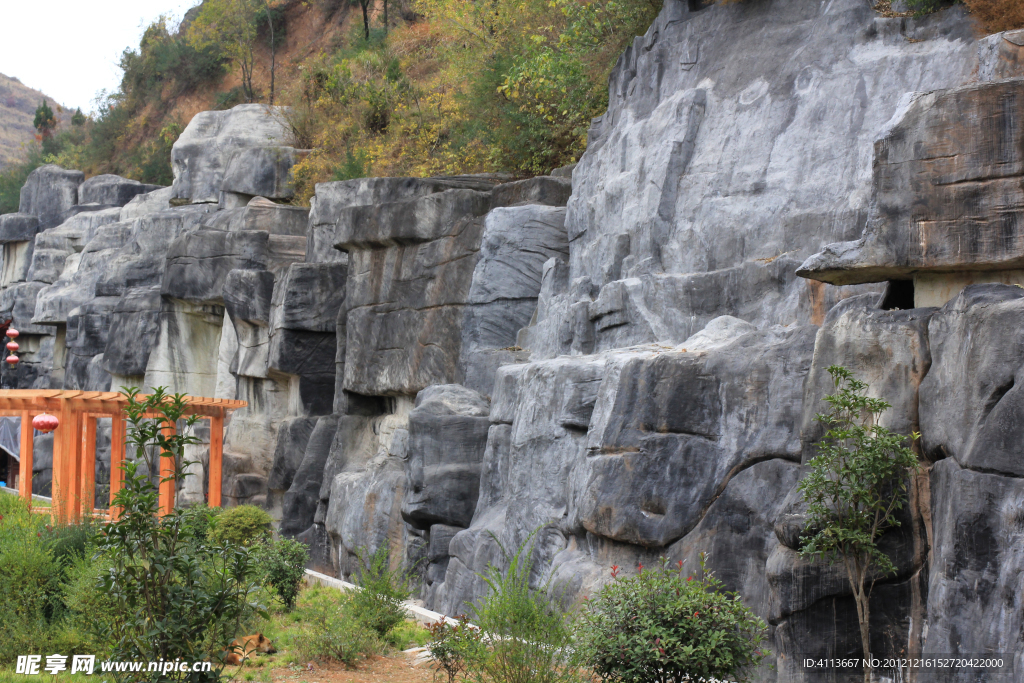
857 481
282 564
662 625
454 647
44 122
165 65
35 561
244 525
530 638
231 26
329 631
379 604
171 598
920 7
78 118
197 521
856 484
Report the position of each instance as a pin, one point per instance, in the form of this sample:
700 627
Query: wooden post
74 465
216 458
62 488
117 437
25 455
88 473
167 488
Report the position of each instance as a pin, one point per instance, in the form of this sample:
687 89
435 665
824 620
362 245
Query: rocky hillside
18 105
625 357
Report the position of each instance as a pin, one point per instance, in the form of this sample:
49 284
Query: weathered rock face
616 369
947 180
202 156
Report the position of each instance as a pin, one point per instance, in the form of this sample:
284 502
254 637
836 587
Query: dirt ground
397 668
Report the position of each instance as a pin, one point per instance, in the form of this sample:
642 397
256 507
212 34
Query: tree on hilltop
45 122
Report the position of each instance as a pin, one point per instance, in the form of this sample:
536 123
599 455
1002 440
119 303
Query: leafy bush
329 631
170 598
664 626
244 525
282 564
379 604
198 520
29 577
530 638
454 647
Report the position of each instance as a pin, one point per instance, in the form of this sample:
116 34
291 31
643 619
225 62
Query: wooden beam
216 466
117 437
167 483
25 455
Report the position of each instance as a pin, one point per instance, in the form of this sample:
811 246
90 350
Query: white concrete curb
414 611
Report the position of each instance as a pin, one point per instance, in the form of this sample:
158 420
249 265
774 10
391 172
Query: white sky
69 49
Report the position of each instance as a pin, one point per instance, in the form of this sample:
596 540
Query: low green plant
454 646
379 604
529 637
245 525
329 631
665 626
197 521
282 564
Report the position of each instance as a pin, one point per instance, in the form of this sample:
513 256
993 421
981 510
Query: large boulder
111 190
971 400
49 193
946 193
200 156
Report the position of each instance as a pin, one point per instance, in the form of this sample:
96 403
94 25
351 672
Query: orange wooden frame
74 445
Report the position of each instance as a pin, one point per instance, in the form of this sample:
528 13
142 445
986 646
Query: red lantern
12 346
12 360
45 423
13 333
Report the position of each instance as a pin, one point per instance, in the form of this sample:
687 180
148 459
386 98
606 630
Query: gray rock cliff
622 366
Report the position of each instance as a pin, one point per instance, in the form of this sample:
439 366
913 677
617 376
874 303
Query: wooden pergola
74 444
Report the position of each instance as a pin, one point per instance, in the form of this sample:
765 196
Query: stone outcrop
619 362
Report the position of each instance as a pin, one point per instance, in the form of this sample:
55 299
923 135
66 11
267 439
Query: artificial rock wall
626 363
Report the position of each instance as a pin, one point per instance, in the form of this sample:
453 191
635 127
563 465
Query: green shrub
198 520
379 604
454 647
329 631
29 577
171 599
244 525
530 637
282 564
662 625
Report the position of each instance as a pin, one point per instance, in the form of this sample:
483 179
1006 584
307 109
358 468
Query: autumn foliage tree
45 122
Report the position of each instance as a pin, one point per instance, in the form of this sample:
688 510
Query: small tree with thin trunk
857 483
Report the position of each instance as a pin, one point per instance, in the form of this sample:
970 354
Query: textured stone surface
946 186
971 407
447 438
111 190
202 153
262 171
18 227
49 193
